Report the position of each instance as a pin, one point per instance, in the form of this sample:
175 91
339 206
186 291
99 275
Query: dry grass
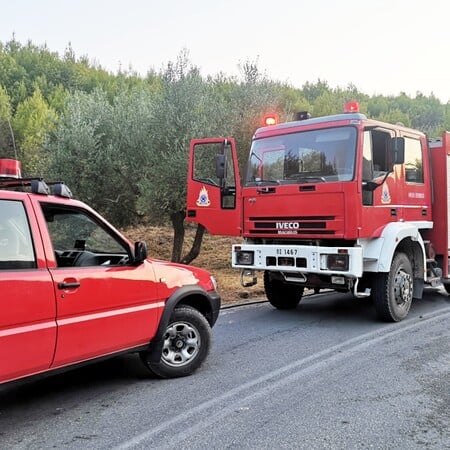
215 256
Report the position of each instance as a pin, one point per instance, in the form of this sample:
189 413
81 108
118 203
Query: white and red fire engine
339 202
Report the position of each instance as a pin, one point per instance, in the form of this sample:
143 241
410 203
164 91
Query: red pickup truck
73 289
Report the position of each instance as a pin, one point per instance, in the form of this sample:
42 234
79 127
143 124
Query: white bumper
299 259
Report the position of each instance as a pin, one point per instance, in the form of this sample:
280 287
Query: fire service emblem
203 198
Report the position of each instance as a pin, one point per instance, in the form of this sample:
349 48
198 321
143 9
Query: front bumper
215 302
343 261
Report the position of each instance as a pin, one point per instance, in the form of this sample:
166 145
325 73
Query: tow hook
251 278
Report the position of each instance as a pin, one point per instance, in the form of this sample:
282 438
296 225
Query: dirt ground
215 256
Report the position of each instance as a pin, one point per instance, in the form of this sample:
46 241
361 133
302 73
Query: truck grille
298 225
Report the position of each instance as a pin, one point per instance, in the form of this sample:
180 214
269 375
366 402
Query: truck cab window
204 171
380 152
204 163
413 161
16 248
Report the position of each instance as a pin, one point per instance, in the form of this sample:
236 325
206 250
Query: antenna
13 140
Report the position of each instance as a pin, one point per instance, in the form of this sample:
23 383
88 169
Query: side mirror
220 166
398 150
140 252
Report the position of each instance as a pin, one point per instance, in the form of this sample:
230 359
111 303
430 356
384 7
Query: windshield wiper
308 178
266 182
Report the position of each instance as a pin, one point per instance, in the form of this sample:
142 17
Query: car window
78 240
16 244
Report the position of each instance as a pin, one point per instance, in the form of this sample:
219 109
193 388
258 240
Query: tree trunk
177 219
196 245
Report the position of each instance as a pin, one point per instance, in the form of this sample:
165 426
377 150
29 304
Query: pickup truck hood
177 275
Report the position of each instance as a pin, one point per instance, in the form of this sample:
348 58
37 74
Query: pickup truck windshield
317 156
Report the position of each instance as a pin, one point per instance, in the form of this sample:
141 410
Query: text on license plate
286 252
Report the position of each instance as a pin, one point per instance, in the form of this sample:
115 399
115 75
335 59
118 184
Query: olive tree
184 109
98 150
192 107
33 120
7 142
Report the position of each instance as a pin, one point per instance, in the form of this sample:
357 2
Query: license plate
287 252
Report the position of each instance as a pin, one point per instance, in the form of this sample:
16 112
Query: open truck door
214 187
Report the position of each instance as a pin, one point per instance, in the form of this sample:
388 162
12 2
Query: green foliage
121 140
6 137
98 150
182 109
33 120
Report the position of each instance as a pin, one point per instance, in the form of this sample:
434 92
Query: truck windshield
317 156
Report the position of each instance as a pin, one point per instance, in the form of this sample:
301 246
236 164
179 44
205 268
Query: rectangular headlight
245 258
339 262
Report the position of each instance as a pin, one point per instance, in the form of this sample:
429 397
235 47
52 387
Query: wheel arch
398 237
194 296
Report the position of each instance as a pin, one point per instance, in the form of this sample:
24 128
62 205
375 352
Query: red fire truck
339 202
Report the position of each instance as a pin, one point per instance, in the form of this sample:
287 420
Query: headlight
339 262
244 258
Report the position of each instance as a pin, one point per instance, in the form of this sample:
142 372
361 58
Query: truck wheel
393 291
187 341
282 295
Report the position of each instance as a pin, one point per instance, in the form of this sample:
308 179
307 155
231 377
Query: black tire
187 341
392 292
447 287
280 294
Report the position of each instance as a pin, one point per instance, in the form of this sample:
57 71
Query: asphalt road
324 376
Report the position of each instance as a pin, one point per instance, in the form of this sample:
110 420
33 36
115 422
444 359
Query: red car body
55 313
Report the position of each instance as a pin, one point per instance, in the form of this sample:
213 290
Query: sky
381 46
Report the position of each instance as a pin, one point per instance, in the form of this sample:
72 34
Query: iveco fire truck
339 202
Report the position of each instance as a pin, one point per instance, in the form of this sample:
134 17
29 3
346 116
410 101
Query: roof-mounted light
351 107
270 119
302 115
10 168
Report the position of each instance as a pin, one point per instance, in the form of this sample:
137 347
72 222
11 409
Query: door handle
266 190
69 285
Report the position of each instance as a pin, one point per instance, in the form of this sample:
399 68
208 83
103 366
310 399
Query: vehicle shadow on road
104 376
331 306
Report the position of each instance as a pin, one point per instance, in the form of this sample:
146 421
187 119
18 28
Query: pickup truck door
105 304
27 297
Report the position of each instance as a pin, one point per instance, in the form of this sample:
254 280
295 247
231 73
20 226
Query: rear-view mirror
220 166
398 150
140 252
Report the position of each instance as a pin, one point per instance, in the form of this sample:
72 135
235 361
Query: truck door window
204 163
16 245
413 161
204 171
380 149
78 240
376 162
367 167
